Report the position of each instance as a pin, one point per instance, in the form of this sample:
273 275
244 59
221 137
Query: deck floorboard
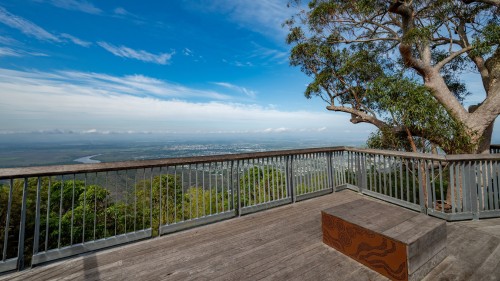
284 243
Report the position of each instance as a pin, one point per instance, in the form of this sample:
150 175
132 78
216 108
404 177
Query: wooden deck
284 243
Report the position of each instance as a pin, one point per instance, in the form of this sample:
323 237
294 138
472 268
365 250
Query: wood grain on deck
284 243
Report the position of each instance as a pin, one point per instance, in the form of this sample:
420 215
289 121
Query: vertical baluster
160 223
229 185
167 183
273 178
433 185
268 187
7 221
126 201
465 189
489 184
36 237
222 185
407 168
413 179
190 195
175 194
216 188
441 186
116 202
151 199
210 186
380 170
144 198
182 193
389 173
84 206
47 218
203 189
72 210
60 212
22 227
496 184
95 207
197 188
401 178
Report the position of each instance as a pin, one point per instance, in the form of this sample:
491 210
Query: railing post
472 187
238 188
421 187
22 230
359 172
36 238
331 179
289 174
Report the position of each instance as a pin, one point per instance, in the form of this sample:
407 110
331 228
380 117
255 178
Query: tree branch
365 40
358 116
453 55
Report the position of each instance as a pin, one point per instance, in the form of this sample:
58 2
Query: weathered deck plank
279 244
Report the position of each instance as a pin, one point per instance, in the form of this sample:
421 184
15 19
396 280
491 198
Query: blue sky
100 67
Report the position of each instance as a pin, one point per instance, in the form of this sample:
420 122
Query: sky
157 67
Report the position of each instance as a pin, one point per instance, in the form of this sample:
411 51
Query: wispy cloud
76 40
239 89
122 12
265 17
37 100
126 52
9 52
26 26
75 5
8 41
187 52
269 55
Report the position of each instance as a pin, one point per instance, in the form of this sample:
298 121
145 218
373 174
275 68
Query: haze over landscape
114 75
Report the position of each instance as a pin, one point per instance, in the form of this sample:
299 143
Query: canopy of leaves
354 53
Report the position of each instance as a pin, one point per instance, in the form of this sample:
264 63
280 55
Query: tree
354 48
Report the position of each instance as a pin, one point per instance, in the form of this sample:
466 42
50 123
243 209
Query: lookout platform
283 243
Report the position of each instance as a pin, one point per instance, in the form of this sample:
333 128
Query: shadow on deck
284 243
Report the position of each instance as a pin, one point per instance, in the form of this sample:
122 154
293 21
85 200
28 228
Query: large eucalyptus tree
398 65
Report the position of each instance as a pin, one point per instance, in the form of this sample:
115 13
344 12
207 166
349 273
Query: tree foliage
398 64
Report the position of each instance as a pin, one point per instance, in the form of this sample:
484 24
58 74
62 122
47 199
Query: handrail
35 171
50 170
72 209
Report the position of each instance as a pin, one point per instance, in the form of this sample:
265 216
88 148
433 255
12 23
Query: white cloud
269 55
8 41
75 5
123 13
277 130
9 52
95 83
26 26
76 40
187 52
242 90
126 52
265 17
77 101
120 11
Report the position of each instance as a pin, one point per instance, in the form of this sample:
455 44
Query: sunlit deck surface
284 243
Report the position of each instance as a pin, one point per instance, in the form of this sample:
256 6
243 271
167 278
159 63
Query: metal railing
52 212
495 148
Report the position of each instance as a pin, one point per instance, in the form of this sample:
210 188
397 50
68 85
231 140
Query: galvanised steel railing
52 212
495 148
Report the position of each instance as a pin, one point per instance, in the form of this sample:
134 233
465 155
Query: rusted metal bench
398 243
